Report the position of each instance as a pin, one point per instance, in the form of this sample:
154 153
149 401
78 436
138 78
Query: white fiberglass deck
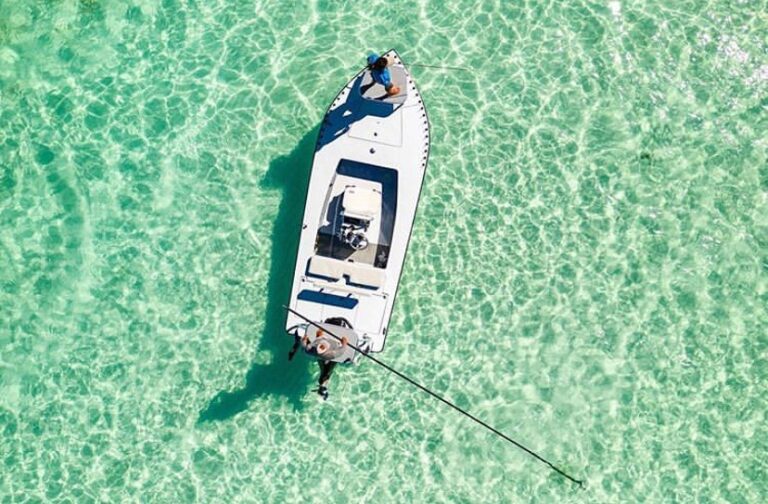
383 144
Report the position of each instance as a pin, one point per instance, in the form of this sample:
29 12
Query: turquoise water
588 270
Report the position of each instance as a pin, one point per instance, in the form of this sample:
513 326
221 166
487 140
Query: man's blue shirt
382 77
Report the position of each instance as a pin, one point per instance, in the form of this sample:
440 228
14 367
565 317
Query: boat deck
385 142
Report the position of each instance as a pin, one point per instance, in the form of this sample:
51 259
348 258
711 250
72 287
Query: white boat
367 174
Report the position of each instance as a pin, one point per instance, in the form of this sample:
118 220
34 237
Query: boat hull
368 142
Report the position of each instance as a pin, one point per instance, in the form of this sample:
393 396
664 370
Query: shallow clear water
588 270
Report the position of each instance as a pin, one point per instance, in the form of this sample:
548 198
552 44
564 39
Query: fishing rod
446 401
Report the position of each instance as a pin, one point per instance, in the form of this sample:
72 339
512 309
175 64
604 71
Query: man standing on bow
380 74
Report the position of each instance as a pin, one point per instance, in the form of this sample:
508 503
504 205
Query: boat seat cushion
361 202
358 273
326 267
365 274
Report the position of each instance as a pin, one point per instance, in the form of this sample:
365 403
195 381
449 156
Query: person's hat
372 58
322 347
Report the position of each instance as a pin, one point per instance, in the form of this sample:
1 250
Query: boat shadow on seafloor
280 377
